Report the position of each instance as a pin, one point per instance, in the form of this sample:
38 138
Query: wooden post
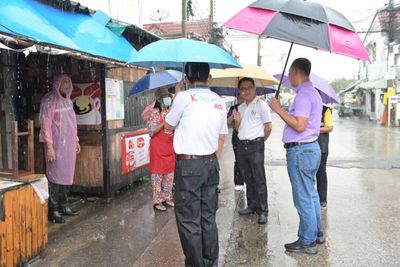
31 153
14 148
104 131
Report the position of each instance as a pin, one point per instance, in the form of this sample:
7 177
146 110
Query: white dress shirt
254 117
199 116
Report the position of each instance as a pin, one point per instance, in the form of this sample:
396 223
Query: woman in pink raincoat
58 132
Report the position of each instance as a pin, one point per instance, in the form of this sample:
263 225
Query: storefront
94 56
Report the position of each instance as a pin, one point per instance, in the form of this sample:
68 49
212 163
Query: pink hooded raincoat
58 126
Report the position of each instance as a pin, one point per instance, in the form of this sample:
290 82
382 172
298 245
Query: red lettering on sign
218 106
192 97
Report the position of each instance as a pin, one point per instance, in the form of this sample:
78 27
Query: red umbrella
302 22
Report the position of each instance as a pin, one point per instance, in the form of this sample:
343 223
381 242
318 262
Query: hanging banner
135 150
115 107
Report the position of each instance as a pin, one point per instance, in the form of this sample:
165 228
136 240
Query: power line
372 24
206 29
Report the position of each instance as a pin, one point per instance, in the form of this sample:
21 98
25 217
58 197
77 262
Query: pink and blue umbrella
327 92
302 22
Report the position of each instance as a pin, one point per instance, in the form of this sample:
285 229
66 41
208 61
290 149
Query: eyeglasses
246 89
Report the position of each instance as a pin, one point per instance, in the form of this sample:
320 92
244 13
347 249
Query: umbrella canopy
302 22
176 52
230 77
156 80
328 94
229 91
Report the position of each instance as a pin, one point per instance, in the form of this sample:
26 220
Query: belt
249 142
186 157
293 144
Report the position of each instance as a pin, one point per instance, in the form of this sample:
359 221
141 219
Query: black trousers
196 204
251 164
237 176
322 179
58 196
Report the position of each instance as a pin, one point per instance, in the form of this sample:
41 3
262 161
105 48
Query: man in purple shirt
303 155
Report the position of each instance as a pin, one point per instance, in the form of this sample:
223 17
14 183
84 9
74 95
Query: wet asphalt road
362 221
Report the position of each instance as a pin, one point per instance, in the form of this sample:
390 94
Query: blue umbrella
176 52
156 80
328 94
228 91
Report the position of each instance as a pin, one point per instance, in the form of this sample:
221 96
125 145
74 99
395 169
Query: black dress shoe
298 247
246 211
69 212
320 238
263 218
56 217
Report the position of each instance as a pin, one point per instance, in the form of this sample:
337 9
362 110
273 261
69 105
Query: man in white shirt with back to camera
253 121
198 116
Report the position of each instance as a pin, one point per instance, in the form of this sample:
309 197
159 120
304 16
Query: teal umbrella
176 52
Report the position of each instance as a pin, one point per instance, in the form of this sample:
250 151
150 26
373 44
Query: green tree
341 84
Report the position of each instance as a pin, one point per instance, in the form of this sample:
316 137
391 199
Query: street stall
96 63
94 57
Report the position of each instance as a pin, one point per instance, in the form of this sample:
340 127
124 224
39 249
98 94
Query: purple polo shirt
308 104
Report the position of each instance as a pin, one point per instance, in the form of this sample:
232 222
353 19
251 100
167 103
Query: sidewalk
361 221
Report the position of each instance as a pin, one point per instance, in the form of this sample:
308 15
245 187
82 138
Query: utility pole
184 18
259 51
211 21
390 59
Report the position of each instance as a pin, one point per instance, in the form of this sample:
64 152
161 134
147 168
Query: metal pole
259 51
283 72
184 18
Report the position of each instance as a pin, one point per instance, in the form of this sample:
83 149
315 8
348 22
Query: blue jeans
302 164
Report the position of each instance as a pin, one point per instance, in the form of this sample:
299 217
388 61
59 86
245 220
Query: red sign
135 150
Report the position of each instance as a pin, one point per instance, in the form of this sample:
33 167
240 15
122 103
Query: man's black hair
246 79
197 71
303 65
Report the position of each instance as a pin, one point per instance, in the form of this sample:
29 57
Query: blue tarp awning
41 23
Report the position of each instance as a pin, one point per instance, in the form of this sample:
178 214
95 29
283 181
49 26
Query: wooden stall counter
23 221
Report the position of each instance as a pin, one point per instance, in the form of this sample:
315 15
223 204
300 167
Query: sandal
169 203
160 207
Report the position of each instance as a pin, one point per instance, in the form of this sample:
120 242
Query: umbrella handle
283 73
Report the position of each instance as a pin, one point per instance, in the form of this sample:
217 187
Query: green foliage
341 84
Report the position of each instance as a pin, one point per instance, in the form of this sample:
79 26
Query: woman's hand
50 153
236 116
78 148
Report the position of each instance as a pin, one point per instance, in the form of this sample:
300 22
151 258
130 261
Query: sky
324 64
327 65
